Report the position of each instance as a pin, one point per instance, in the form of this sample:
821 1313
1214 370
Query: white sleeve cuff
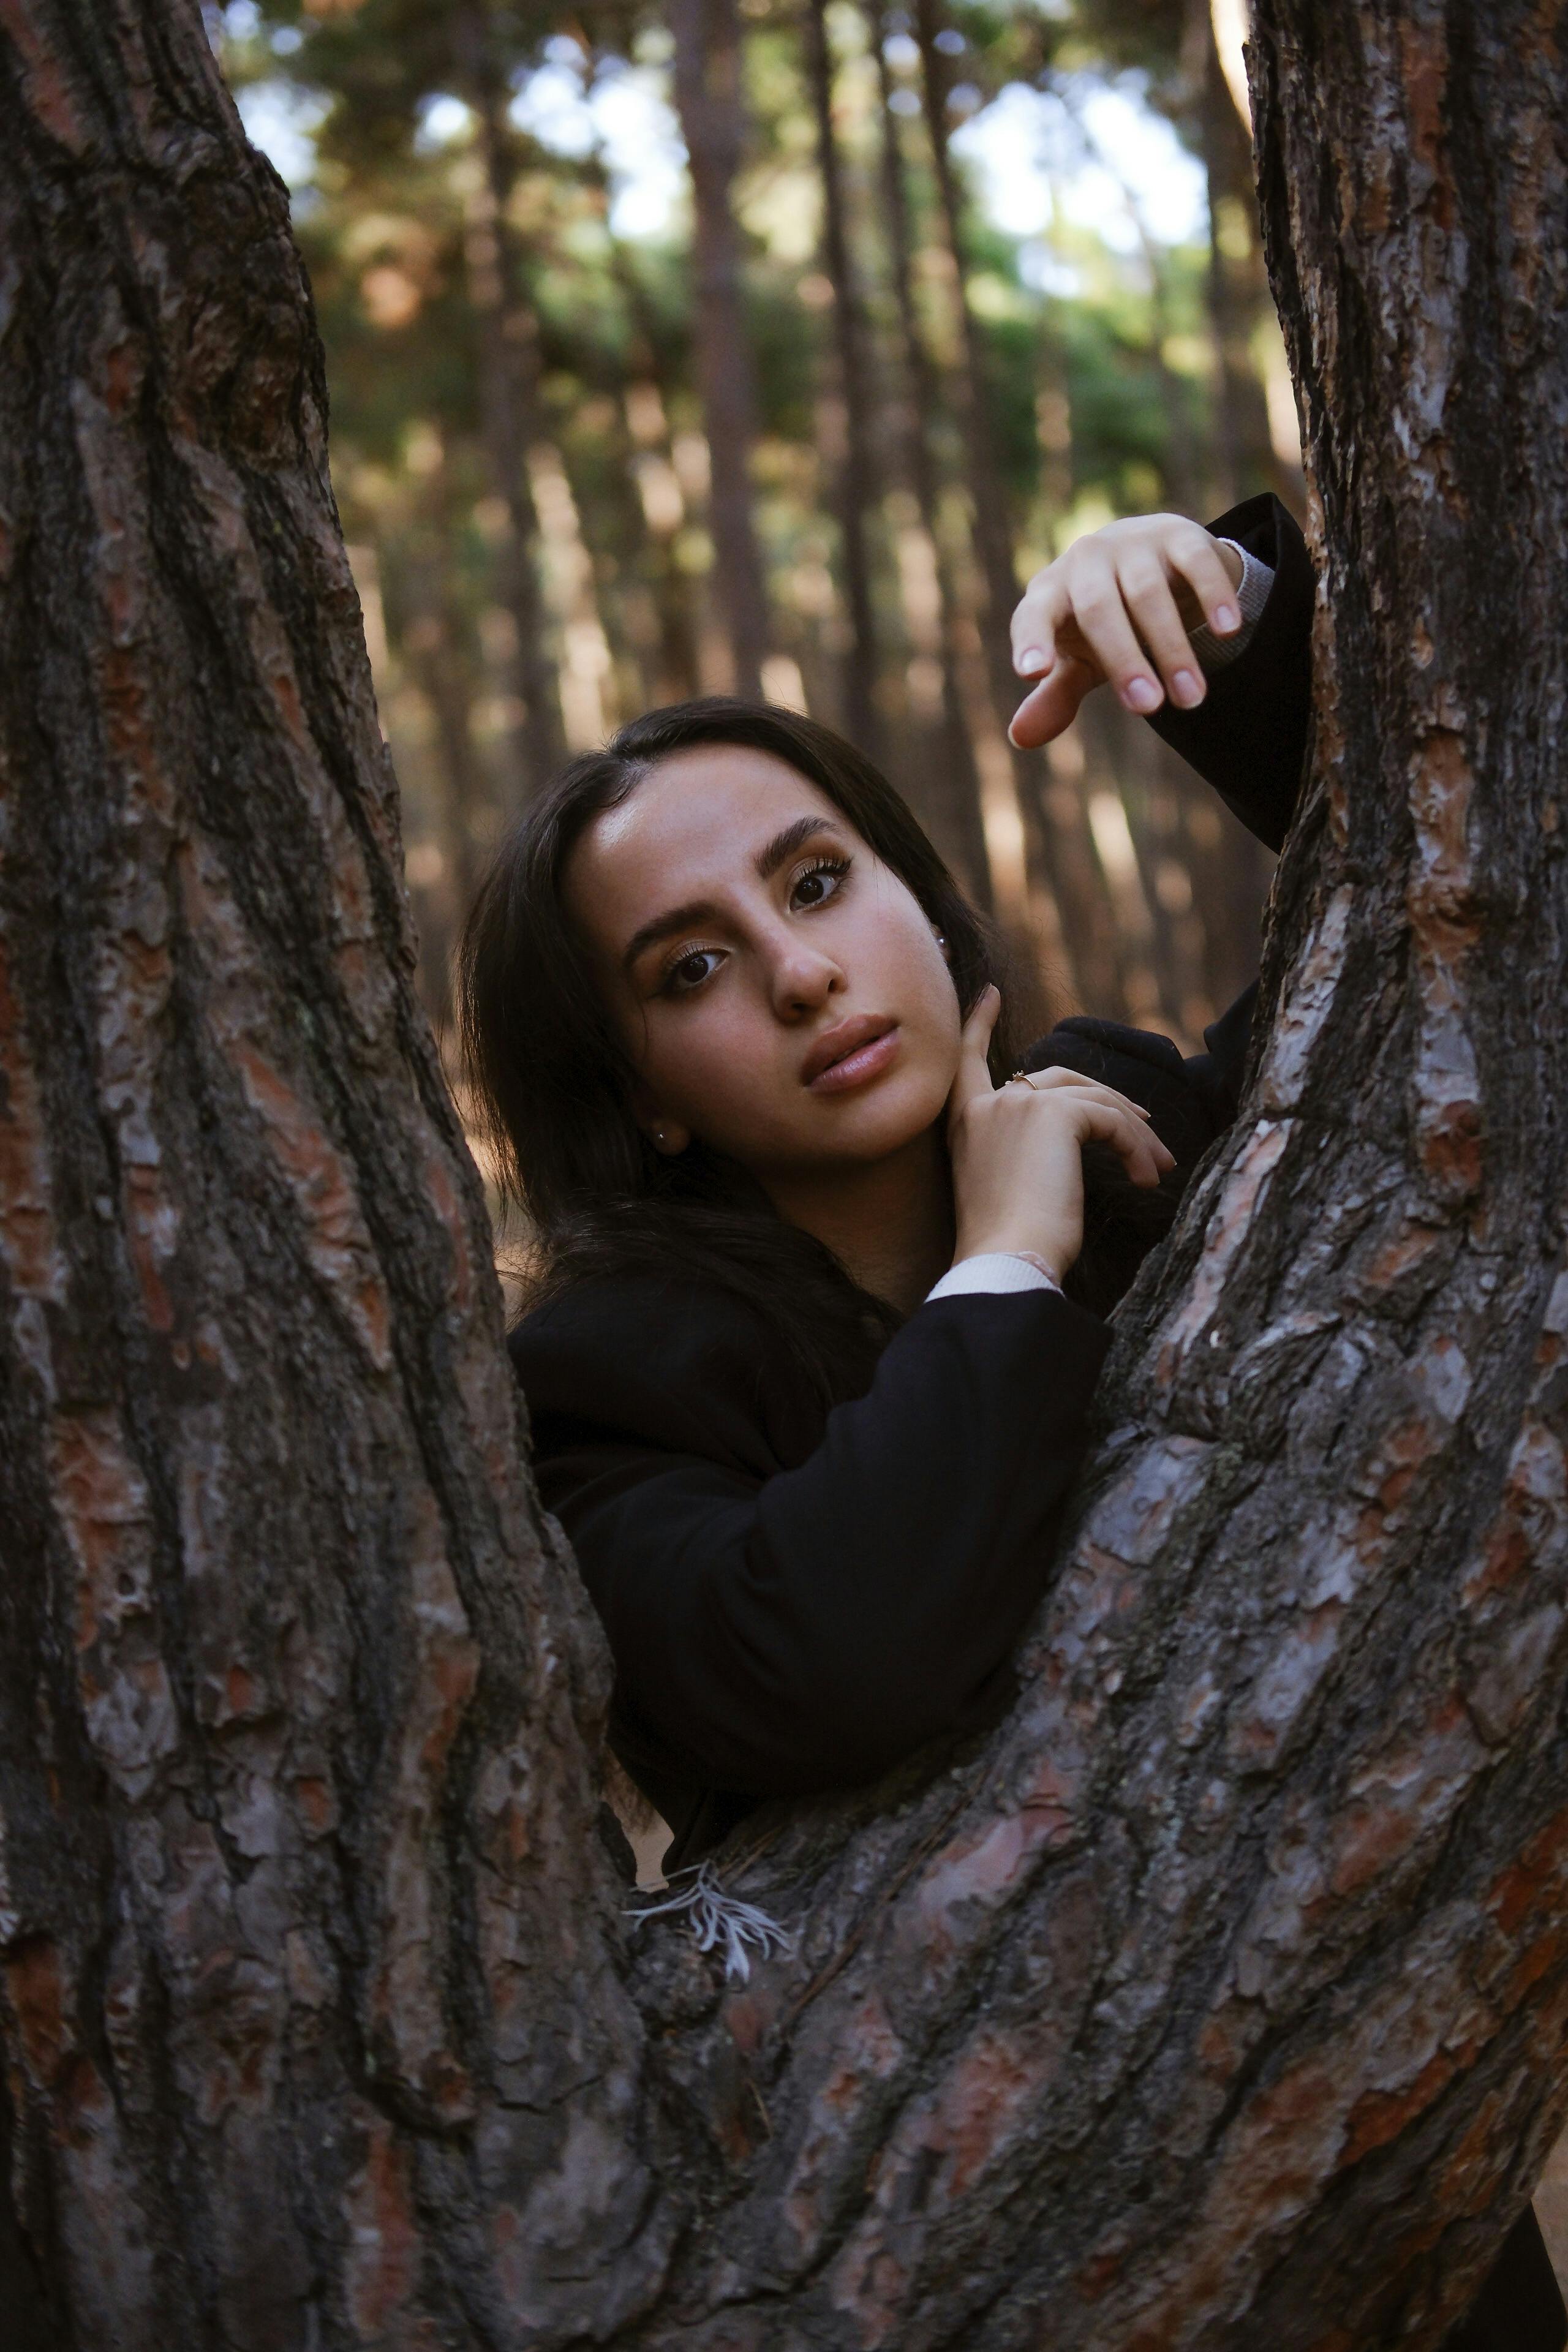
995 1270
1257 580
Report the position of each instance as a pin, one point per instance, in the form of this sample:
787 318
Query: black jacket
795 1602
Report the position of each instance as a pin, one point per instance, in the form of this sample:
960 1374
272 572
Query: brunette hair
553 1083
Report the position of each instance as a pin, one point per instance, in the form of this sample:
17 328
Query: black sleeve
809 1628
1519 2306
1248 736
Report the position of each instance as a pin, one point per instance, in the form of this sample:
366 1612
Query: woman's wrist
993 1245
995 1273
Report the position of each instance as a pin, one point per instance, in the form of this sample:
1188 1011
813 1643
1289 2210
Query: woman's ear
666 1134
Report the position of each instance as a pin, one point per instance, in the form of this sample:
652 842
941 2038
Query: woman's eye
689 970
819 882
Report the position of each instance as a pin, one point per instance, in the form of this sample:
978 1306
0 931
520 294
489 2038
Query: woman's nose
803 978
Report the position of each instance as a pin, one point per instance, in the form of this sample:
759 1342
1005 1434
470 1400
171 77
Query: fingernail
1142 694
1032 659
1226 617
1186 689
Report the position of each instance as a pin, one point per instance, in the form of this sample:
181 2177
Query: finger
1147 595
1035 620
1044 1081
972 1075
1196 556
1140 1152
1053 706
1102 617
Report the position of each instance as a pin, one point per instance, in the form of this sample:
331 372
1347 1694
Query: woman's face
779 989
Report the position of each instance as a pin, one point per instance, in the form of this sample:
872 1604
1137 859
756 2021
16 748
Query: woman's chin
880 1126
844 1133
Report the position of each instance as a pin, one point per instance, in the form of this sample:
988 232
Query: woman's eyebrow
678 918
793 837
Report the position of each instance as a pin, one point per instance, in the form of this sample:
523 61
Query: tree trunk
1055 817
709 96
431 645
671 675
1217 1998
993 535
855 484
274 1826
1238 289
955 799
508 399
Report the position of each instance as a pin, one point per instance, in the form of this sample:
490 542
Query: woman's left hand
1018 1151
1118 606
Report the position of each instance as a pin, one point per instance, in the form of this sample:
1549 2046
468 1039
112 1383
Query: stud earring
659 1136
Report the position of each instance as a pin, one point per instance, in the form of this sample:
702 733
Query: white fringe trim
720 1921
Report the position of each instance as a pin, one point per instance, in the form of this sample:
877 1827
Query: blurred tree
954 790
1239 304
508 379
857 484
1052 823
707 86
992 530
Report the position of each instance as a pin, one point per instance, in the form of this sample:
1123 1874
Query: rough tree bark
1219 1997
708 88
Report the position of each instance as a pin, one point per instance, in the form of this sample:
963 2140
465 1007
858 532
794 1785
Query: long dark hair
553 1083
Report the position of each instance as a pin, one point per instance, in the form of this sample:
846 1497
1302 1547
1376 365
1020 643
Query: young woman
810 1355
806 1380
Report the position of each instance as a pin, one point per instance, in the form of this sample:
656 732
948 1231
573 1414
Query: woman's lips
859 1059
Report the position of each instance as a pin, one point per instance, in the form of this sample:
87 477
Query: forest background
768 346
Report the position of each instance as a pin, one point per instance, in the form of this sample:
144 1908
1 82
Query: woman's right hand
1016 1151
